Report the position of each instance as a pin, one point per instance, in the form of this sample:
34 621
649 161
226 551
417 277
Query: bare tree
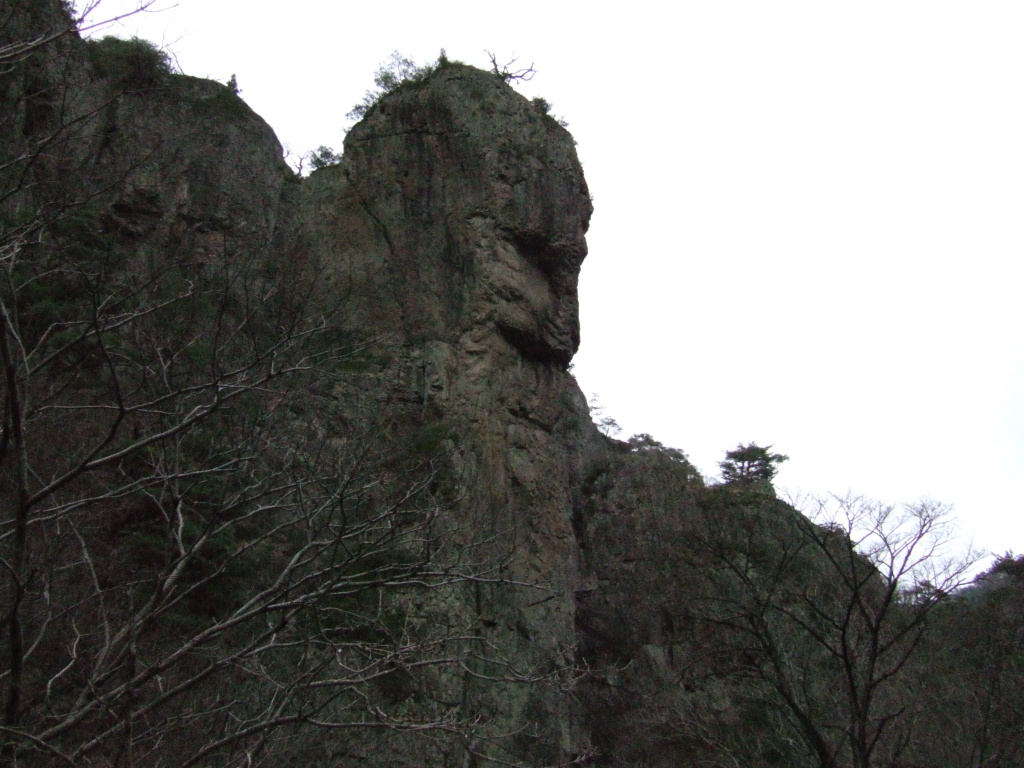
826 612
507 72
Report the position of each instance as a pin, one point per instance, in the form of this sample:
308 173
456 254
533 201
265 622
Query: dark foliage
133 64
749 463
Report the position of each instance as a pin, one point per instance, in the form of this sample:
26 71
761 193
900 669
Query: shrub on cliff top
395 71
134 64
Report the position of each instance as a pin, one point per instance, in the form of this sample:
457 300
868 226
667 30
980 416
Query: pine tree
750 462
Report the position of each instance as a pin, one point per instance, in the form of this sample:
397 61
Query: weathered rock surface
471 210
456 221
451 235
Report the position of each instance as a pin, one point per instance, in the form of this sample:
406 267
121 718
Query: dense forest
293 472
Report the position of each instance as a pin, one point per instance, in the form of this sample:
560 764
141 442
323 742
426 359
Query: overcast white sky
808 227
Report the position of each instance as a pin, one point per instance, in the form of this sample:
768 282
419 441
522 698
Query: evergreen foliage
644 443
751 462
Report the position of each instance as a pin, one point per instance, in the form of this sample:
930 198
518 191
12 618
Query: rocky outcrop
212 182
446 248
455 228
470 207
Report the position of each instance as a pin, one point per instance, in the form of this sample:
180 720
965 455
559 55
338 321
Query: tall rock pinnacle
475 210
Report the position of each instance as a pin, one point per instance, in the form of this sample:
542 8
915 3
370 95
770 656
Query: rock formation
454 226
293 470
456 223
447 245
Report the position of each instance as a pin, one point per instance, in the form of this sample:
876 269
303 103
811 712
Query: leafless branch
507 72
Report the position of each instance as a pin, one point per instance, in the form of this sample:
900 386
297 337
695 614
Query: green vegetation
544 106
644 443
396 71
225 103
322 157
399 70
751 463
134 64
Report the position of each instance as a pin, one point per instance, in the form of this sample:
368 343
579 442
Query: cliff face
292 471
456 225
478 208
445 249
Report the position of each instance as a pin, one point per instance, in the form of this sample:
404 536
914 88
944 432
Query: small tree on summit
396 71
750 462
